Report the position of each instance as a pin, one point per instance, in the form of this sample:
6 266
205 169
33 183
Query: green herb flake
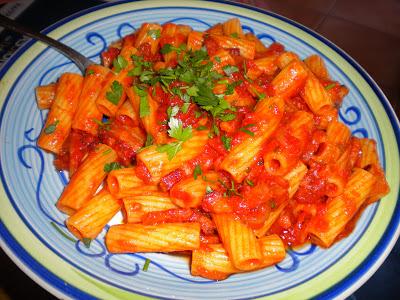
171 149
217 59
146 75
245 130
229 70
108 151
51 127
249 182
192 91
197 171
272 204
111 166
226 141
167 48
209 189
149 140
235 35
330 86
172 111
60 231
87 242
144 106
185 107
90 72
146 265
202 127
119 63
177 131
116 92
227 117
154 33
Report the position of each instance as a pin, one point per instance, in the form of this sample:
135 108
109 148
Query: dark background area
367 30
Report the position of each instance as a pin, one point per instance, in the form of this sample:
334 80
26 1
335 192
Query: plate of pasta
213 151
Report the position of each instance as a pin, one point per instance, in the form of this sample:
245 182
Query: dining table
369 31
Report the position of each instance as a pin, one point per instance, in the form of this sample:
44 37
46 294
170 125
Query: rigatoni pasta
209 143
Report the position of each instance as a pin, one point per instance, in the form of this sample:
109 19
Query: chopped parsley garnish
51 127
227 117
229 70
197 171
167 48
208 189
87 242
119 63
154 33
249 182
108 151
202 127
144 107
149 140
60 231
90 72
178 132
116 92
185 107
171 149
172 111
230 191
140 65
330 86
234 35
226 141
245 130
217 59
259 95
272 203
111 166
146 265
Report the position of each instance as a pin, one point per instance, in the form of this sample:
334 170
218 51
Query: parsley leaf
146 265
171 149
249 182
227 117
245 130
149 140
185 107
90 72
167 48
119 63
177 131
192 91
116 92
330 86
154 33
144 107
172 111
197 171
86 242
111 166
229 70
226 141
51 127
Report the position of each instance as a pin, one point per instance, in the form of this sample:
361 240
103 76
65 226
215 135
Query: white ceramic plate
31 186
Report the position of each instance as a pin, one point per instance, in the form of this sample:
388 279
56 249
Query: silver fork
81 61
